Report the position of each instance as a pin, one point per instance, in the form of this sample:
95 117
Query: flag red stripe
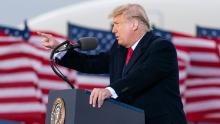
205 64
89 87
18 84
29 117
207 85
20 99
202 98
194 76
24 55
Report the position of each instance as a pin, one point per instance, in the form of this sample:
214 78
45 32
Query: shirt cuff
112 91
59 55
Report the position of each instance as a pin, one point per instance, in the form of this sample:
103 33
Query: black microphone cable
55 68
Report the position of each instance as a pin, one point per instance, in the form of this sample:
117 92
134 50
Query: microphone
84 43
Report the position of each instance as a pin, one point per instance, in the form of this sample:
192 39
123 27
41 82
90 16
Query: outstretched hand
48 40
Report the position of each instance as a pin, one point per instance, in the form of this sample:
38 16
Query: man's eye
116 23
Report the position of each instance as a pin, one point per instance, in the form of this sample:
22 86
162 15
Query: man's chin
122 45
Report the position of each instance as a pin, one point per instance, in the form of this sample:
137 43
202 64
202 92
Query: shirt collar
136 43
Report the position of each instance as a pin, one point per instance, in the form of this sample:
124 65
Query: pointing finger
44 35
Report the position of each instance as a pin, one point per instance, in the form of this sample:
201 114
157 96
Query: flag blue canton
162 33
105 38
210 33
25 34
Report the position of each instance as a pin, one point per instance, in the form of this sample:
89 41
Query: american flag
182 56
105 40
201 79
206 32
26 76
209 33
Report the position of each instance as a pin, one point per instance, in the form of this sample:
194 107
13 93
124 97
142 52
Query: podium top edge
126 105
121 104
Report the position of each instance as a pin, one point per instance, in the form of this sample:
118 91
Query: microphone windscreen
88 43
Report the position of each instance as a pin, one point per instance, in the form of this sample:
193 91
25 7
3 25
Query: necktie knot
130 51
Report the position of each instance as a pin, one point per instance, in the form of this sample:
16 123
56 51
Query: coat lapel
138 52
122 57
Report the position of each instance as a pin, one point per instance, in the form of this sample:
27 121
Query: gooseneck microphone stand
54 67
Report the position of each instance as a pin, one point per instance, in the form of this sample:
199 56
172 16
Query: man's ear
135 24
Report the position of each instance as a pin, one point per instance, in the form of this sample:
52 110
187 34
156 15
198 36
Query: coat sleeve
159 64
96 64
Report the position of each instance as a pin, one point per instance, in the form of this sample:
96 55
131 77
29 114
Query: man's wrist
112 91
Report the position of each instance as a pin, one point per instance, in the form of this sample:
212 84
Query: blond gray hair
132 11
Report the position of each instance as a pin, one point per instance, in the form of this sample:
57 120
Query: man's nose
113 29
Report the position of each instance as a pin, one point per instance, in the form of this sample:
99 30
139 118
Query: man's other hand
98 95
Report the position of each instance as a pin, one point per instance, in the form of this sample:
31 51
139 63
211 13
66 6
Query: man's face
122 29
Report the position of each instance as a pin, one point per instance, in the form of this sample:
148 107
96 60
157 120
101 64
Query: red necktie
130 51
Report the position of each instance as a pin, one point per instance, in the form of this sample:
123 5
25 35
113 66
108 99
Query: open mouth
117 37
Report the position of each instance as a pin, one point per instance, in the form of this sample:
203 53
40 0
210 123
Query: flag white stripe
182 88
72 74
20 62
19 77
26 62
204 71
181 63
31 77
204 57
202 106
24 48
21 107
49 84
193 42
92 80
207 91
183 55
10 38
19 92
199 81
34 39
182 74
45 98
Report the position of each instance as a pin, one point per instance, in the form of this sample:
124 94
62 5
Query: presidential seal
58 112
